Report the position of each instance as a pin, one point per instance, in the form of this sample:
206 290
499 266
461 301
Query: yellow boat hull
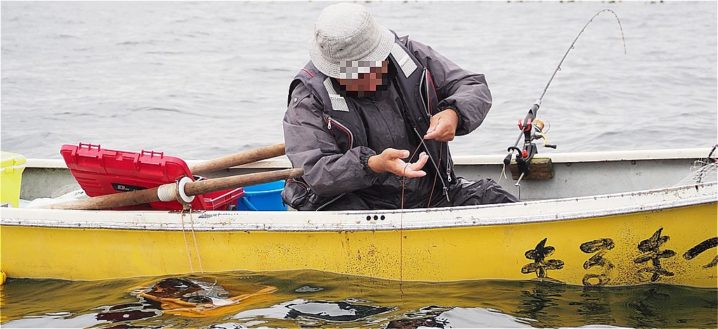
671 246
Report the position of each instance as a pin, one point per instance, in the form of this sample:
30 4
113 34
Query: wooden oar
238 159
154 194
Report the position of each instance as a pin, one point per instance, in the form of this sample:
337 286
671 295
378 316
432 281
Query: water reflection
457 317
425 317
126 312
333 311
317 299
537 300
594 305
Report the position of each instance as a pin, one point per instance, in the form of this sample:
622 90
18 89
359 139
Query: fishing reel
532 129
539 131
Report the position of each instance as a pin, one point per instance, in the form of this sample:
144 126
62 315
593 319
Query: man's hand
443 125
391 161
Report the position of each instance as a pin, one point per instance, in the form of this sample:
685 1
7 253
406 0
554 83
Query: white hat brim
332 68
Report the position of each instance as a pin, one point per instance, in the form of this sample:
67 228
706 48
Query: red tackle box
101 172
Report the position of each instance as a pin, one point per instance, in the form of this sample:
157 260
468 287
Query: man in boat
369 119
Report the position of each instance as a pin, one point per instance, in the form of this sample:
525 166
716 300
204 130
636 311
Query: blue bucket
263 197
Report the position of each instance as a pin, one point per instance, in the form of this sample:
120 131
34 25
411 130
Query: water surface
314 299
200 80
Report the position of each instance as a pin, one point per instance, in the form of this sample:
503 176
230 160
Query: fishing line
401 223
436 174
537 104
401 236
558 67
523 158
436 166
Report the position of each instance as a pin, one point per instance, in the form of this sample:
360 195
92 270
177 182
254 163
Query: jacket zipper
449 164
341 127
424 94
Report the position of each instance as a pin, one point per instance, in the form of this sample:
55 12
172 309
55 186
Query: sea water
316 299
204 79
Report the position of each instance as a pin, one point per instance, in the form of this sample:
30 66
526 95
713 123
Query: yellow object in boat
11 177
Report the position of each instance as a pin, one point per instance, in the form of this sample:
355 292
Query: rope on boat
188 210
186 244
196 245
702 170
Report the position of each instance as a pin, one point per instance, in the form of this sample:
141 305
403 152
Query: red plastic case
101 172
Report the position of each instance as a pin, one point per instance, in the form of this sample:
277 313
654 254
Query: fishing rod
532 128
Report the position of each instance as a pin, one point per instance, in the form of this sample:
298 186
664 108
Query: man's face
367 82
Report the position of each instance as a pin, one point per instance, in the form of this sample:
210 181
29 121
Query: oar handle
137 197
238 159
108 201
216 184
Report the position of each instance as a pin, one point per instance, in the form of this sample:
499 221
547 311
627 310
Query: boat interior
568 174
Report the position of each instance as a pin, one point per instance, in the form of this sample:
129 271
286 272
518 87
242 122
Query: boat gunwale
333 221
471 160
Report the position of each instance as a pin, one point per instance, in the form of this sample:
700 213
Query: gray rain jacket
331 135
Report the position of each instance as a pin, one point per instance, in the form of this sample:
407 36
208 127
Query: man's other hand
390 160
443 125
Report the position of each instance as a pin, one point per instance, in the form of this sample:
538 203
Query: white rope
196 245
704 170
186 244
503 173
167 192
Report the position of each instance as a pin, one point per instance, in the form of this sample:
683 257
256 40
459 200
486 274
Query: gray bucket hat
348 41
